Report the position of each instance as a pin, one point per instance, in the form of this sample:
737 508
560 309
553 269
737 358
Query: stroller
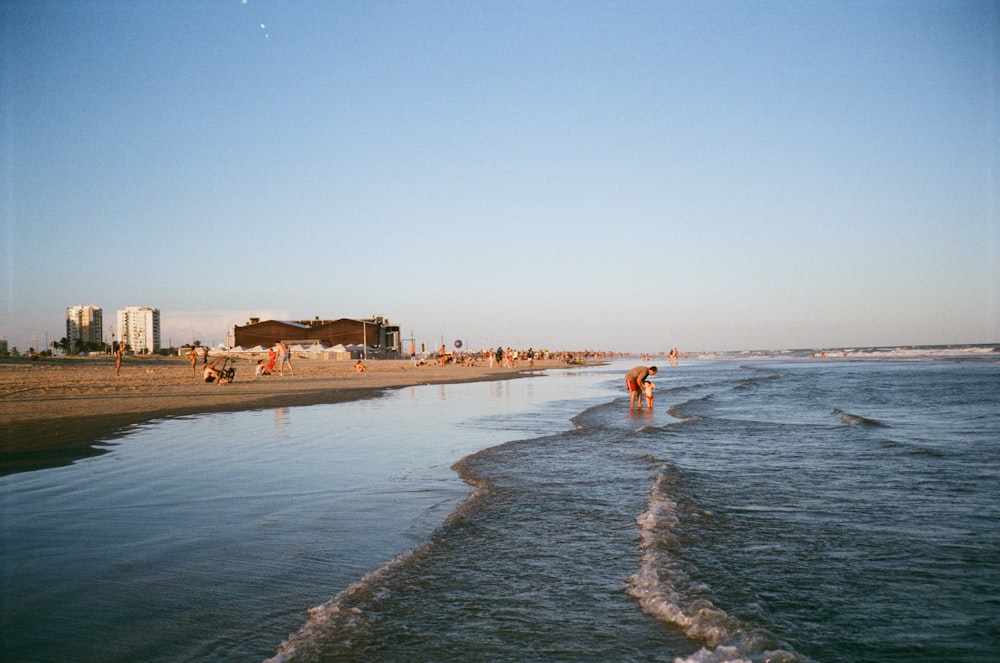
224 374
227 372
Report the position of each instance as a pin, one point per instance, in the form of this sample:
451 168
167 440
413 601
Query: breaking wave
856 419
665 591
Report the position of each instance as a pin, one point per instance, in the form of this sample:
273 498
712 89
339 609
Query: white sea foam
667 593
657 583
339 618
988 352
343 616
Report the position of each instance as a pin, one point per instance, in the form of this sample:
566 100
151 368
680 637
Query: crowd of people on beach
279 359
637 382
508 357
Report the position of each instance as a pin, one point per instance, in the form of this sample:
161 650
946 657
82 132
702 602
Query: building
84 326
139 329
374 333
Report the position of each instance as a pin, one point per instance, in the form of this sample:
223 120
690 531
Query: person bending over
635 380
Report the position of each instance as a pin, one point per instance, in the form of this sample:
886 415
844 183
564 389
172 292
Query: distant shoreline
58 410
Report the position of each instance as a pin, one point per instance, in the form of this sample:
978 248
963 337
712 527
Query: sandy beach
56 409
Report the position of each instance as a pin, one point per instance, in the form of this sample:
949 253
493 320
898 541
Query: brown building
375 333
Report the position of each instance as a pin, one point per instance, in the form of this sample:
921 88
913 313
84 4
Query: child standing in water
647 390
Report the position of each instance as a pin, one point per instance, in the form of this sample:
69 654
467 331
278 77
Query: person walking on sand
118 359
193 358
635 380
284 357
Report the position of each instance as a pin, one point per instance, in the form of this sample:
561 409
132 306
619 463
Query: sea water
770 507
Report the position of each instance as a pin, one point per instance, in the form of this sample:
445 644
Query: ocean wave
665 591
914 352
340 618
856 419
987 352
678 409
727 654
675 411
345 616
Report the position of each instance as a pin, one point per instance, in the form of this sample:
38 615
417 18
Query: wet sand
57 410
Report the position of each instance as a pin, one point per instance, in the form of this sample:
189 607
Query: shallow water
766 510
208 537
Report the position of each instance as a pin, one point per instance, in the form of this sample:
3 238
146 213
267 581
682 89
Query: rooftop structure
374 333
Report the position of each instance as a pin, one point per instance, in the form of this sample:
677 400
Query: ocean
770 507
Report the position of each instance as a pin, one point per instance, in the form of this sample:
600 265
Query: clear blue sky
630 176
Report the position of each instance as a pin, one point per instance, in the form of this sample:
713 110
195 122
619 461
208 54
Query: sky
626 176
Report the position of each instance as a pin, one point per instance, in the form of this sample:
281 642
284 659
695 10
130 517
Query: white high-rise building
139 329
83 325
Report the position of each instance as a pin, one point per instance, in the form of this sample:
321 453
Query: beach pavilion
374 333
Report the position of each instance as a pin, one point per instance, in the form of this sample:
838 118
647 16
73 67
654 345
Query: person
284 357
212 374
635 380
204 357
272 357
442 356
647 390
118 358
360 368
261 369
193 358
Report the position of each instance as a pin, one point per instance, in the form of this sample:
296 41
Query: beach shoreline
58 410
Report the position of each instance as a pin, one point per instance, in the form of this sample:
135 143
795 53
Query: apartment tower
139 329
83 325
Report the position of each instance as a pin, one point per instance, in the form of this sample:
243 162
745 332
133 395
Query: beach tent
337 352
360 351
